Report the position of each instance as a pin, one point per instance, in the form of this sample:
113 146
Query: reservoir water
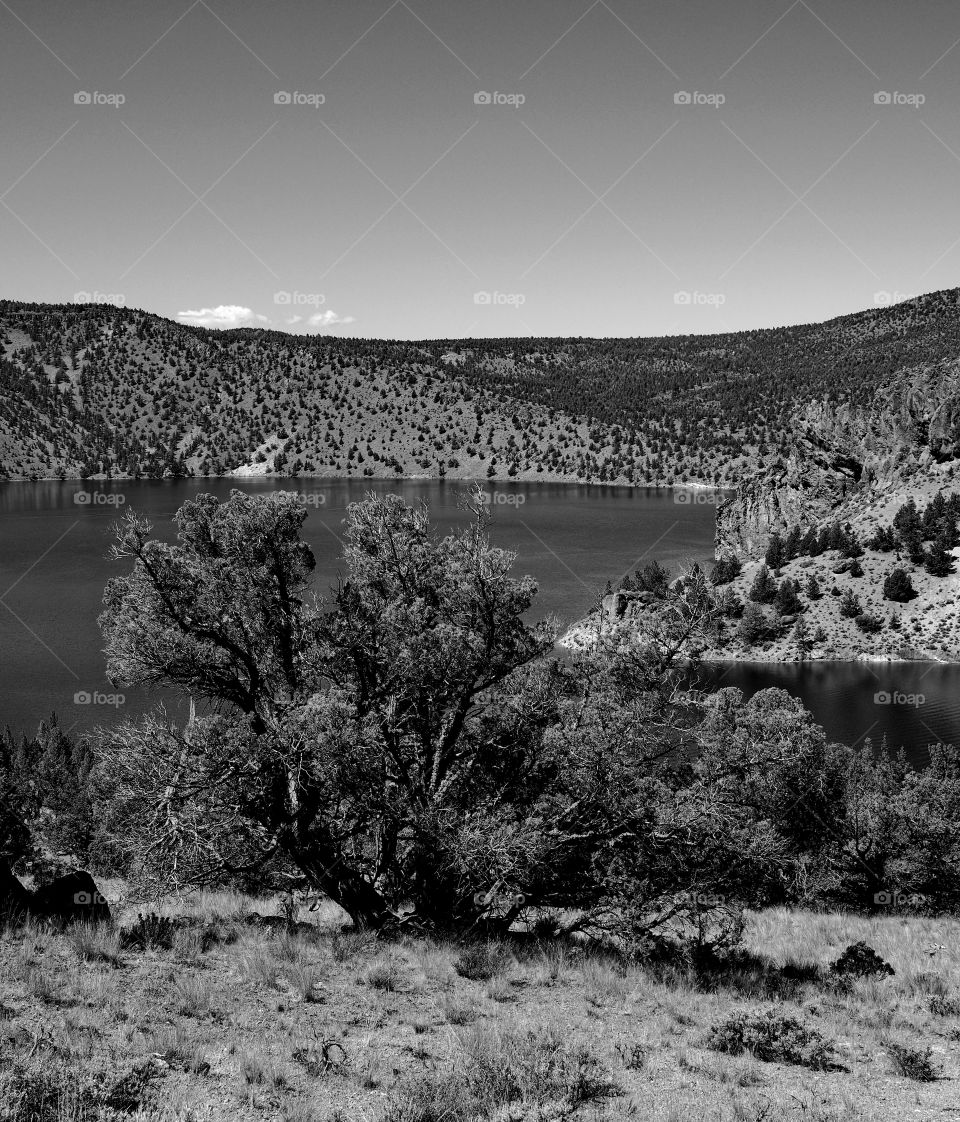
54 538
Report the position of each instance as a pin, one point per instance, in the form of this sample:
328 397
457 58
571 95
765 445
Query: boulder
14 898
71 898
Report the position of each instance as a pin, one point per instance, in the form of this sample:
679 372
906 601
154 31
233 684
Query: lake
54 538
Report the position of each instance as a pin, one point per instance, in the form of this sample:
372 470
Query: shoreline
574 639
526 478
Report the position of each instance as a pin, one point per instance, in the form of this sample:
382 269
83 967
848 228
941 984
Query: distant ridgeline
818 412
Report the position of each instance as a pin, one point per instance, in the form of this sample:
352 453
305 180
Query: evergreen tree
802 637
786 602
764 587
909 526
850 606
813 589
776 554
725 570
898 586
937 560
810 543
753 625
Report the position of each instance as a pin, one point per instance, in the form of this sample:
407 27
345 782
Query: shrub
943 1005
850 606
868 623
860 960
499 1071
150 932
481 961
912 1063
773 1037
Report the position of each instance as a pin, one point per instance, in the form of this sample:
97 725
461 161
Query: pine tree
764 587
802 637
937 561
786 601
776 554
813 589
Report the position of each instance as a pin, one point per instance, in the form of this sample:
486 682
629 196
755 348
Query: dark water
53 564
53 567
912 705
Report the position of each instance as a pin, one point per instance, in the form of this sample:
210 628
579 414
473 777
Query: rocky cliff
842 457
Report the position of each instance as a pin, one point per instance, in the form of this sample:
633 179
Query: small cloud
224 316
291 320
328 318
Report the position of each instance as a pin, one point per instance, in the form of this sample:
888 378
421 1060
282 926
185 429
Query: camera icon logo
282 97
82 498
682 298
281 298
882 697
81 97
82 697
882 97
482 298
682 97
481 97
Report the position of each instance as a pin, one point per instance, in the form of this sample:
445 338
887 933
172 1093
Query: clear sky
635 168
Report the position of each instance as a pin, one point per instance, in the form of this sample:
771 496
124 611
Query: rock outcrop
68 899
840 455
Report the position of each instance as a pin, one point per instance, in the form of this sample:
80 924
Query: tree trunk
359 899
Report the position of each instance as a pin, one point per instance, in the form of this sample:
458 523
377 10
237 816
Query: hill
94 389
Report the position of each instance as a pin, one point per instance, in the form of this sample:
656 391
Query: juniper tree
898 586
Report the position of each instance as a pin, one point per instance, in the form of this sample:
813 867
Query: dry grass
335 1025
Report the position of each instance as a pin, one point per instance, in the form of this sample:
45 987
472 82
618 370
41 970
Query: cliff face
842 455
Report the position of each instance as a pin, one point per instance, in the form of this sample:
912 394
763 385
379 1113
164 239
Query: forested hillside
91 389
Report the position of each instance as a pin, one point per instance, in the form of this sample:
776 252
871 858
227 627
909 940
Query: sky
454 168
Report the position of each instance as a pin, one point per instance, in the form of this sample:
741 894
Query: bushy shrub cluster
772 1036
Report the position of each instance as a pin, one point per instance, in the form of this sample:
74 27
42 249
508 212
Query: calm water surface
572 538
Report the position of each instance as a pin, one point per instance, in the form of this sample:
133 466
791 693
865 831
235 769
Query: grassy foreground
241 1018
